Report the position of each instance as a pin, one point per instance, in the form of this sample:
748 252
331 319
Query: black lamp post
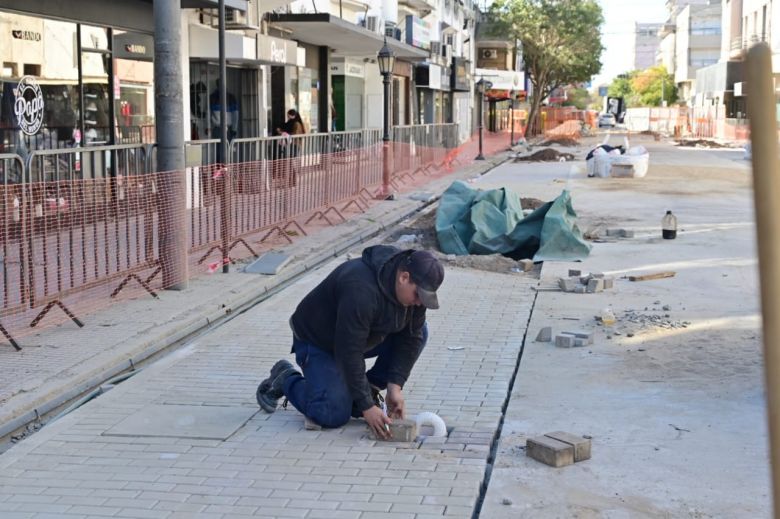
386 61
511 120
481 85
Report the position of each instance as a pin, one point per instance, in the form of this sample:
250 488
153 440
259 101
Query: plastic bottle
607 317
669 226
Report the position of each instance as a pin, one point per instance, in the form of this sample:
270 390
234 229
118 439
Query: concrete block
584 279
581 445
580 289
615 232
597 275
526 264
401 431
544 335
567 284
586 336
550 451
564 340
574 273
595 285
627 234
579 343
609 283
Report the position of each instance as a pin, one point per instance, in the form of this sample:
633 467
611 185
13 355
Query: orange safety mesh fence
84 227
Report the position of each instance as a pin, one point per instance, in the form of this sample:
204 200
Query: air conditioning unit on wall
488 53
374 24
235 16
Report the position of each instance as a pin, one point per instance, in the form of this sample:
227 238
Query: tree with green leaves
561 43
645 87
577 97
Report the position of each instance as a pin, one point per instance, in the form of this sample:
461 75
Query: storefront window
205 107
134 87
47 47
73 64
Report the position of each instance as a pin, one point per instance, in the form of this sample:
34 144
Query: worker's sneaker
271 389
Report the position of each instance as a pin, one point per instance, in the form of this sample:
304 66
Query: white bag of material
629 165
637 150
590 164
602 164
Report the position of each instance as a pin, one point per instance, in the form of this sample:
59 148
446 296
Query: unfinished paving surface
94 462
676 414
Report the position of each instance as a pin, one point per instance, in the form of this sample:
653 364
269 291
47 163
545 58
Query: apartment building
646 44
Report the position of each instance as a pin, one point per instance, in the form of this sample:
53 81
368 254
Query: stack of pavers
585 284
558 448
573 339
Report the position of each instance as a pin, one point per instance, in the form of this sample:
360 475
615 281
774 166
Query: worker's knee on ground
330 414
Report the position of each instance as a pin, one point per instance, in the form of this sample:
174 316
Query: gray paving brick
93 510
231 511
364 506
142 513
334 514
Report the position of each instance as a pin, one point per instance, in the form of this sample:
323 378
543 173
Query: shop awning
346 38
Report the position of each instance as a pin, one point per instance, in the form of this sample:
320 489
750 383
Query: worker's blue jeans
321 392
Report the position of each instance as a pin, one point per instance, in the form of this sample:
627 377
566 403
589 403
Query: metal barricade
13 240
92 218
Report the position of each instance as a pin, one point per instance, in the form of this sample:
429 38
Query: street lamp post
386 61
511 120
481 86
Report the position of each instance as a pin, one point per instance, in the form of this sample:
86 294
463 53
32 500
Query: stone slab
401 431
269 263
550 451
184 421
581 445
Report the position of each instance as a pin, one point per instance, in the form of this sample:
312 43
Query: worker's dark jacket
354 309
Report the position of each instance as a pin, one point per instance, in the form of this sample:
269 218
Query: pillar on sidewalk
169 114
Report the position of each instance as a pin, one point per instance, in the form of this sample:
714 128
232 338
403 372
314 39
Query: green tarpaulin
471 221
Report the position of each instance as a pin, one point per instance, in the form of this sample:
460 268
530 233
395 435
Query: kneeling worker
369 307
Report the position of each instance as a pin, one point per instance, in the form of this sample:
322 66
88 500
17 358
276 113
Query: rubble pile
643 321
588 284
546 155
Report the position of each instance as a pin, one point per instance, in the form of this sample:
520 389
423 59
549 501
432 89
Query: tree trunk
532 125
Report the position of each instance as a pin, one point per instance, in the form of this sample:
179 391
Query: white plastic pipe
434 420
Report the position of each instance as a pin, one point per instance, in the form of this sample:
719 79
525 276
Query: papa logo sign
28 105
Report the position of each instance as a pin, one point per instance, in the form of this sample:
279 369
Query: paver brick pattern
272 466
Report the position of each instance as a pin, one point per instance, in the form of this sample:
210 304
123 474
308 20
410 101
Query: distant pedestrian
373 306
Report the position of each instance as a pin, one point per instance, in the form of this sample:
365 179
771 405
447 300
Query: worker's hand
377 421
396 407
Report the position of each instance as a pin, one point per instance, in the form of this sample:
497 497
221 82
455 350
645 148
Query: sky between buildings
618 33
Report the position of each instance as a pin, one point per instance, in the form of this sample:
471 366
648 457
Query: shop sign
277 50
418 32
28 105
134 46
135 49
461 75
26 35
347 68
